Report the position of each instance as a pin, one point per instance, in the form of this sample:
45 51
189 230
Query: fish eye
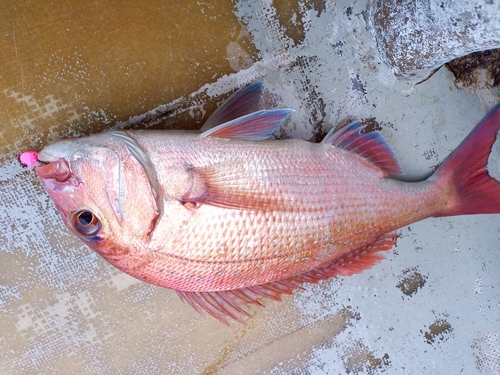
86 222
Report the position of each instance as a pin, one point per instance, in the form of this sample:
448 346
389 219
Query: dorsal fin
241 103
255 126
372 146
230 303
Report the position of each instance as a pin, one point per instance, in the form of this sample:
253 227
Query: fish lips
58 170
63 187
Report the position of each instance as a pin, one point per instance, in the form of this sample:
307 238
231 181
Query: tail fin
465 169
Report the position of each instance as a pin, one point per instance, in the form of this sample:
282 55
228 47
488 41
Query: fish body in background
225 216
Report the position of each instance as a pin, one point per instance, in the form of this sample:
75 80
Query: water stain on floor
290 16
438 331
291 347
358 359
411 281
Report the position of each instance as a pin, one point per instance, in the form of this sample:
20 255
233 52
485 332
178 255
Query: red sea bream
225 216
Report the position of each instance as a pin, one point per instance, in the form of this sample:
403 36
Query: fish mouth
57 169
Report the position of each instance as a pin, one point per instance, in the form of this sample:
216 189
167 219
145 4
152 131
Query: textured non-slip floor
432 307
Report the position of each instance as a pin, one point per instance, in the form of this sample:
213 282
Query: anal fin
230 303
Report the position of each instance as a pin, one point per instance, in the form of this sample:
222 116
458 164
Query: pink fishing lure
29 158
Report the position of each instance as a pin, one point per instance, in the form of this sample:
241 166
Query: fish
228 217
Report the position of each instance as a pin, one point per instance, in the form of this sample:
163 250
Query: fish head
102 192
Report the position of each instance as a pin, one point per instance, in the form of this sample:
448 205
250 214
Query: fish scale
362 219
225 217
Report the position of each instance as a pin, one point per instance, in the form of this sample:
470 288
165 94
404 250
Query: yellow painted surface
86 65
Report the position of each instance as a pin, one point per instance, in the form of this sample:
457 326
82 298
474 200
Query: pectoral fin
231 185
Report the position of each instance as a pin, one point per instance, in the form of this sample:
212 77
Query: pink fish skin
224 217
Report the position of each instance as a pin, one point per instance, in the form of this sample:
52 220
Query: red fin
230 303
372 146
255 126
218 304
241 103
363 258
356 261
465 169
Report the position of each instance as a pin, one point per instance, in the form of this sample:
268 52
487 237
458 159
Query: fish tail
470 188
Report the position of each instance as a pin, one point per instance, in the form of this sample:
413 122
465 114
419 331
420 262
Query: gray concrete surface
432 307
